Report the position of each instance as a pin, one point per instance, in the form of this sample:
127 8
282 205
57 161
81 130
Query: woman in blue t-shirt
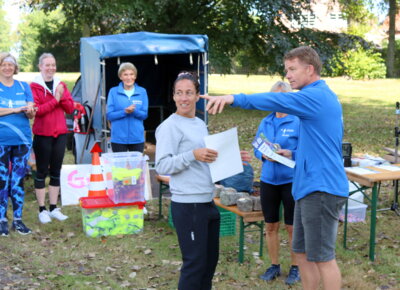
276 184
127 106
16 108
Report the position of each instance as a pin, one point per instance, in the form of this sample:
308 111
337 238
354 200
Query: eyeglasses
188 94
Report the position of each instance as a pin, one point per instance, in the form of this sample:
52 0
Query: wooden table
246 220
164 187
373 181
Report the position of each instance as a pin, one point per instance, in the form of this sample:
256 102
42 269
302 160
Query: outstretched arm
216 104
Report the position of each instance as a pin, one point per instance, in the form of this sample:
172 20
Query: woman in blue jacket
127 106
276 185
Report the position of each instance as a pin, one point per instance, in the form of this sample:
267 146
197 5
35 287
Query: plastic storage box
227 225
355 213
125 176
102 217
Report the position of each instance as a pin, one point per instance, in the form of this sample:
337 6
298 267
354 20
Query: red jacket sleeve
66 101
44 103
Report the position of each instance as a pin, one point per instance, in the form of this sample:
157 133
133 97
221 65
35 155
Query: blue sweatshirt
285 132
15 128
190 180
127 128
319 161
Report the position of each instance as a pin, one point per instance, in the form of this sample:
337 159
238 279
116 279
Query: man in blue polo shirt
320 186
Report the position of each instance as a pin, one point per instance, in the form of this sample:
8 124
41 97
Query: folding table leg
374 202
241 240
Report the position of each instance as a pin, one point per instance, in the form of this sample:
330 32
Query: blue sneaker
271 273
4 228
293 276
18 226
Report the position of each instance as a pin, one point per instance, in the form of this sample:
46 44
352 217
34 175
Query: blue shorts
316 218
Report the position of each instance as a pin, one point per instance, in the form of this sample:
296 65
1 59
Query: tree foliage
357 11
42 32
358 64
5 31
254 32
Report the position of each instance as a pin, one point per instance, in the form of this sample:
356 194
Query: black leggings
271 198
116 147
49 152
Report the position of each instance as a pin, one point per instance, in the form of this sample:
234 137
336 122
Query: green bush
358 64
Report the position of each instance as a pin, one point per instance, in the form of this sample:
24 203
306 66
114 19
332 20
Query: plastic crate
125 176
101 217
227 225
355 213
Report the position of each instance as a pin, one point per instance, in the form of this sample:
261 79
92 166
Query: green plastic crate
227 225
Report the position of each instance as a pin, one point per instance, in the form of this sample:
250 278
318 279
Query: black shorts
271 198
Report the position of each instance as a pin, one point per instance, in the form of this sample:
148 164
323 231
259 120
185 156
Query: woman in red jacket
53 100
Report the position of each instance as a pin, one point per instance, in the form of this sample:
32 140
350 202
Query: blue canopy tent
158 57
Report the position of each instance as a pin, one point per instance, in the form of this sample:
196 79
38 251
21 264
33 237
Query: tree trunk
85 30
392 42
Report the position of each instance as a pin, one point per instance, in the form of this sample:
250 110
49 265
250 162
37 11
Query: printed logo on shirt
3 102
7 103
285 132
137 102
20 93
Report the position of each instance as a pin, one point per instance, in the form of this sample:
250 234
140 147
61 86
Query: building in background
326 15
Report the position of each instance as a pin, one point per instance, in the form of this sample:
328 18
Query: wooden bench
247 219
164 187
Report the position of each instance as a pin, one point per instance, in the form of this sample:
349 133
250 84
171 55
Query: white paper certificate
229 161
265 149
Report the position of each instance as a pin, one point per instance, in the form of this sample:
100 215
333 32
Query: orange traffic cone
97 186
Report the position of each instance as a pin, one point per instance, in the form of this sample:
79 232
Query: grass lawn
60 256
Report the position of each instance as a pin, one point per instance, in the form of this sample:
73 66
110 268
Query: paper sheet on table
265 148
388 167
229 161
359 170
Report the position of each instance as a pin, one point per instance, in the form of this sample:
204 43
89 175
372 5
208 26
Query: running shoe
57 214
18 226
271 273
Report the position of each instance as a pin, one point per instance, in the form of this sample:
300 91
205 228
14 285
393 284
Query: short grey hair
281 87
127 66
45 55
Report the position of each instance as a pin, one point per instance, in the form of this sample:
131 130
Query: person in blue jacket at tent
127 106
320 186
276 184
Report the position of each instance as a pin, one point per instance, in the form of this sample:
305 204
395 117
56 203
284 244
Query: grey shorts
316 218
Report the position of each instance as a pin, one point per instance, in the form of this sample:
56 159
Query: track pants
197 227
12 181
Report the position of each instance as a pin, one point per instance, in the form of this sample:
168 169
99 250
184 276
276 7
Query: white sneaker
57 214
44 217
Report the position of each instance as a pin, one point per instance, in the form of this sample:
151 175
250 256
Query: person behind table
320 186
127 107
16 108
276 185
53 100
181 153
